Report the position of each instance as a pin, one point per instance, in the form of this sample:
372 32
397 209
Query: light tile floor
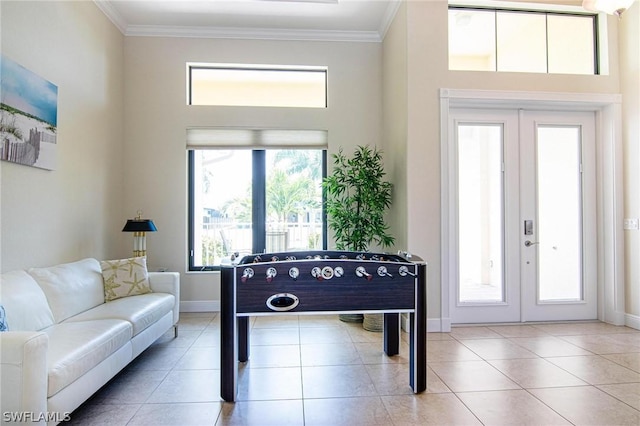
317 370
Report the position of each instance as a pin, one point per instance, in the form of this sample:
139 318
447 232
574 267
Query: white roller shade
225 138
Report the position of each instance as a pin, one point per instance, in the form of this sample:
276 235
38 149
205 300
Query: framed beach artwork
28 116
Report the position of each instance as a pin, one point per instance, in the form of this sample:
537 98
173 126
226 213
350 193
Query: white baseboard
632 321
200 306
445 325
616 318
434 325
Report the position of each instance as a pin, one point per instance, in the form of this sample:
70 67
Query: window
262 86
267 198
522 41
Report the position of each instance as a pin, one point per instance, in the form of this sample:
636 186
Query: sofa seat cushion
77 347
141 311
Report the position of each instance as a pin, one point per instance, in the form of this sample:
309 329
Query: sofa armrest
167 282
23 373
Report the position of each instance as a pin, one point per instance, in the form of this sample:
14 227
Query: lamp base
139 244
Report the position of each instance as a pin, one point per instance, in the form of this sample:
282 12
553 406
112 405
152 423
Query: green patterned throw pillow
125 277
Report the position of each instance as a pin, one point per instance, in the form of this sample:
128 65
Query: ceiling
332 20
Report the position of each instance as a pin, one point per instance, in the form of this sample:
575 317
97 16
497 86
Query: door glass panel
559 212
480 217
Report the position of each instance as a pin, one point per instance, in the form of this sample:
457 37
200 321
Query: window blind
226 138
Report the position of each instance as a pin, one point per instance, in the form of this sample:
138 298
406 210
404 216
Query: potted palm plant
357 197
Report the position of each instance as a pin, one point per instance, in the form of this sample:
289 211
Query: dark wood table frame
235 335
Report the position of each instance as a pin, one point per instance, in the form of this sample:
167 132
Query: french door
525 224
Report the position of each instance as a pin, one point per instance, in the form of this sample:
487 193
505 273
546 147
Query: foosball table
323 282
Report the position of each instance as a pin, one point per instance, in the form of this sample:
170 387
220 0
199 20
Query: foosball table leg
243 339
391 334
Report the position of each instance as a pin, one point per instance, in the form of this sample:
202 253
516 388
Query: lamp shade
139 225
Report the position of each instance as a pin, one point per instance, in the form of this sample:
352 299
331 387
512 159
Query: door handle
530 243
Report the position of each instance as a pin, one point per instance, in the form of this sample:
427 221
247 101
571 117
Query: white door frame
609 185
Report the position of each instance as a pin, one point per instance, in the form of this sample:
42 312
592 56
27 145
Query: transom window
257 85
490 39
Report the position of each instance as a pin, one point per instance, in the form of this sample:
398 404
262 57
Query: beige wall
425 24
394 106
157 116
122 118
630 85
48 217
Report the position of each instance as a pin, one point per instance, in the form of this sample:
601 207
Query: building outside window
249 201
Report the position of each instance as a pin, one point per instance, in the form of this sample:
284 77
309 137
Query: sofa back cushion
25 304
71 288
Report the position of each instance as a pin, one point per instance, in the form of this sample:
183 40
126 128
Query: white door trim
609 184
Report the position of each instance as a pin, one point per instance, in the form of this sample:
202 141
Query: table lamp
139 227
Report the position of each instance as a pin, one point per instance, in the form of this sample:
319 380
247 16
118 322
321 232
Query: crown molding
387 20
113 15
249 33
252 33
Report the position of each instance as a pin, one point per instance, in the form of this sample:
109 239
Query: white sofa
65 342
